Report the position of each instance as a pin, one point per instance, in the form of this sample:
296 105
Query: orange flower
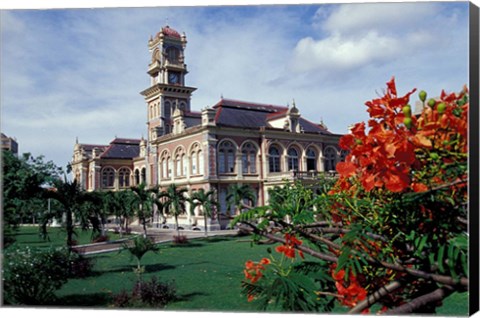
288 249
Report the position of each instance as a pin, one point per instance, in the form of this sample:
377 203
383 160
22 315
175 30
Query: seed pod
407 121
431 102
422 95
441 108
407 111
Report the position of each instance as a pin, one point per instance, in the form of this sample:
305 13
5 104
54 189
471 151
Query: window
292 159
108 178
124 177
311 159
274 159
184 164
173 54
144 176
180 162
196 160
137 177
167 110
200 162
249 156
226 157
330 159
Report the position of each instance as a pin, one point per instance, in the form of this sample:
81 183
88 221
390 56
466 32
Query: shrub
153 293
31 276
80 266
180 239
100 239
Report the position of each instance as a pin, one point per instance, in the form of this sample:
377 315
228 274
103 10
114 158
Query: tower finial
76 140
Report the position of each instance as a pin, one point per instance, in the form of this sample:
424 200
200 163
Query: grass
207 274
30 235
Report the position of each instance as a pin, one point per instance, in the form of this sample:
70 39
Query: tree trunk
205 219
69 227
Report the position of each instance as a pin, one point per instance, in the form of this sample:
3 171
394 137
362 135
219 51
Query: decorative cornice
165 88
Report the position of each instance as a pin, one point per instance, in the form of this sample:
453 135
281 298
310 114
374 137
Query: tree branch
421 301
376 296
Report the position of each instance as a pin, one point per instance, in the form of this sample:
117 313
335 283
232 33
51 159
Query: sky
78 73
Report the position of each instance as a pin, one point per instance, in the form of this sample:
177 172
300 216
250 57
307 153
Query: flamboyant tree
392 231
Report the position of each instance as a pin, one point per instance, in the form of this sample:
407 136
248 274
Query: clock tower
167 91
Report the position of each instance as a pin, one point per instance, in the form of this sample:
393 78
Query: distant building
9 144
232 142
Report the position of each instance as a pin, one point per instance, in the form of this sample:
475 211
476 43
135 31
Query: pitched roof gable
122 148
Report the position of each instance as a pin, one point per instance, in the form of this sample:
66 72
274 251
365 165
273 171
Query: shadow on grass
187 244
151 268
81 300
189 296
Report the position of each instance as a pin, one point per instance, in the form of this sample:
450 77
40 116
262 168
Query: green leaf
441 251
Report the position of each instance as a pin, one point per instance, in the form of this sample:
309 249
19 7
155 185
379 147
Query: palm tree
71 197
207 201
143 204
237 195
175 202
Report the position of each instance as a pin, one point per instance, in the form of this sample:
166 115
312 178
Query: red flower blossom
288 249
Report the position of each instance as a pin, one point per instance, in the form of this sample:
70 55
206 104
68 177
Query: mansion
232 142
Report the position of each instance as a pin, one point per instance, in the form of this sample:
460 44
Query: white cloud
353 36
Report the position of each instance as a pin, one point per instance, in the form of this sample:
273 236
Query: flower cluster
350 290
397 143
254 271
288 249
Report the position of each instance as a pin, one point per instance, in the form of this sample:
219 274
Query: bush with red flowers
392 230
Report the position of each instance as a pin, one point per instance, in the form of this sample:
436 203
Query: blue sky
68 73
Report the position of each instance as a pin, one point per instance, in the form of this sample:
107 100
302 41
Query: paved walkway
158 236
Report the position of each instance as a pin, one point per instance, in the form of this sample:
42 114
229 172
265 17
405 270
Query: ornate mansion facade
233 142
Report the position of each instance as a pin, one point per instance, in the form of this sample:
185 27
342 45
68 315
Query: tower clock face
173 78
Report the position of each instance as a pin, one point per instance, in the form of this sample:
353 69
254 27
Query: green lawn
207 274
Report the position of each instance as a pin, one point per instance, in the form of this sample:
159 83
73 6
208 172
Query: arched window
330 159
173 54
197 160
167 110
108 177
292 159
178 165
200 162
124 177
226 157
137 177
311 156
165 174
249 158
273 159
184 165
143 176
180 162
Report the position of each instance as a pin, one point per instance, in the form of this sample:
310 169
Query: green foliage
174 201
147 294
31 276
25 180
238 195
141 246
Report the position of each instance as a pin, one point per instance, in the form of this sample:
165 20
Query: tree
25 181
237 195
174 200
71 197
392 231
207 201
120 204
143 203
